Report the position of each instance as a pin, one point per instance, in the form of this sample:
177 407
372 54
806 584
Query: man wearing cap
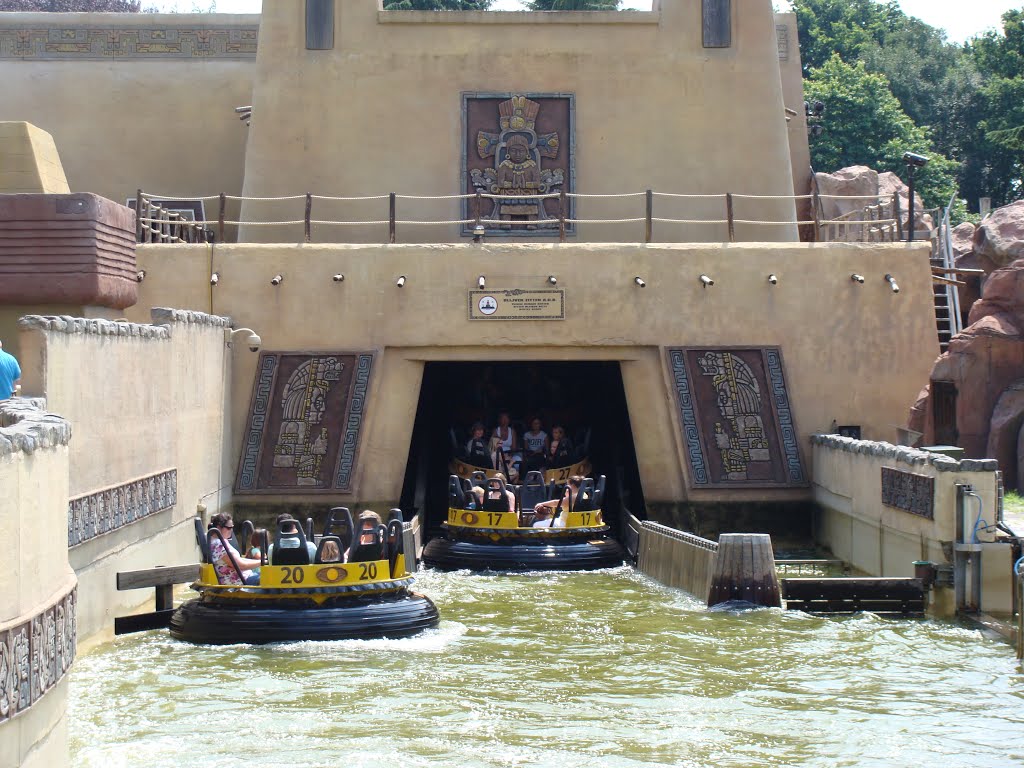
10 374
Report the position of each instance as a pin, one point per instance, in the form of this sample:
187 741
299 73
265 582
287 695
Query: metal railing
156 224
877 221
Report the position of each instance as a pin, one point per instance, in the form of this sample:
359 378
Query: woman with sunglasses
222 554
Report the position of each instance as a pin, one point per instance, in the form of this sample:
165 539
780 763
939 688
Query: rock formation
867 185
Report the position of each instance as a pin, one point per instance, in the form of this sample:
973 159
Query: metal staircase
948 321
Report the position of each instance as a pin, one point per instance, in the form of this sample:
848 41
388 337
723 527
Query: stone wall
38 597
839 339
147 405
884 506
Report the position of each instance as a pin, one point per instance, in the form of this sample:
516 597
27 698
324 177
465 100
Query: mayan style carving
97 513
168 42
35 655
304 423
737 423
909 491
520 159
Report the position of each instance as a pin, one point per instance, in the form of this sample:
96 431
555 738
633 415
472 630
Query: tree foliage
437 5
573 5
72 6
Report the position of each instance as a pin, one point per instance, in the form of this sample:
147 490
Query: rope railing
879 221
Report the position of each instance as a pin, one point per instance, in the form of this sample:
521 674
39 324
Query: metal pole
138 216
561 215
479 207
309 215
910 206
220 216
391 217
730 216
649 225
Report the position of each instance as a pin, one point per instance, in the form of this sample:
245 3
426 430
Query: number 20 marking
367 571
292 575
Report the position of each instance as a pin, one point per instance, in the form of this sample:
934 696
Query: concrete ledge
519 17
911 456
166 315
26 427
72 325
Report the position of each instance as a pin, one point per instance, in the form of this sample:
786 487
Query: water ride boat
483 534
299 596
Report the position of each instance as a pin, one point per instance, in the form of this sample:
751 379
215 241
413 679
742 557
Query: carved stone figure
742 438
304 402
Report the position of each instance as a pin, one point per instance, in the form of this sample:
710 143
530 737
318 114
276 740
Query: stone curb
166 315
25 426
911 456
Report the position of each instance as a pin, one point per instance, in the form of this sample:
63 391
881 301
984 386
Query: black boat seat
320 549
599 487
533 491
585 496
456 493
396 544
499 504
361 552
201 540
290 544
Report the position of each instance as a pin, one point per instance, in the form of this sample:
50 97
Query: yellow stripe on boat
472 518
301 577
556 475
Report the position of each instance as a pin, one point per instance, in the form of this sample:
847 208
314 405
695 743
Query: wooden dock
898 596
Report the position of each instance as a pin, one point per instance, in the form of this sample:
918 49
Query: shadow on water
566 669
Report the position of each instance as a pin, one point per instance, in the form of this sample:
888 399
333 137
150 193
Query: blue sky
960 18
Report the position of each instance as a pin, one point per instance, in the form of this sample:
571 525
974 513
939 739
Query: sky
962 19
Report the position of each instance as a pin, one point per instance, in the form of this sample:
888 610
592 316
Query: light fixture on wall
277 280
140 275
481 282
773 279
215 278
253 341
892 283
706 281
857 278
639 282
553 280
338 278
400 282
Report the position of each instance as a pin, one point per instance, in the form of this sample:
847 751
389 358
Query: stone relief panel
103 511
909 491
35 655
736 418
519 146
305 418
70 42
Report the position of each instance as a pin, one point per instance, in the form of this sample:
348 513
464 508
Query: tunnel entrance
587 398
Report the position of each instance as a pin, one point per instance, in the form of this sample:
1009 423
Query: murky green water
605 669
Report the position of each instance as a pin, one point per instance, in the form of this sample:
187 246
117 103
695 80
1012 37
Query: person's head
330 552
576 481
284 517
478 430
558 432
222 522
369 519
478 491
542 513
535 425
504 419
518 148
256 539
495 483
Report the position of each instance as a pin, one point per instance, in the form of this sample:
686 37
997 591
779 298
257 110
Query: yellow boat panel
556 475
301 577
471 518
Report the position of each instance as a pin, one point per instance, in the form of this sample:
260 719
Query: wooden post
745 571
730 216
138 216
479 208
561 215
391 217
222 208
649 225
308 216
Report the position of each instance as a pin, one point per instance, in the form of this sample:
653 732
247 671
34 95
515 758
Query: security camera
254 342
339 278
214 278
918 161
815 131
277 279
773 279
857 278
706 281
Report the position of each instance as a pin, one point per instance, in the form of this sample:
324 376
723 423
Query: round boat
496 540
367 596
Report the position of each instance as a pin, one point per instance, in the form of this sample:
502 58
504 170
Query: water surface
578 669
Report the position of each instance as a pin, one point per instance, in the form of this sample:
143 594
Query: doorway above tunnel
584 399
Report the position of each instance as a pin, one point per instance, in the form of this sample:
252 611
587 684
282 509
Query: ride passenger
369 521
477 453
542 517
559 451
566 503
331 553
535 446
505 444
494 485
256 543
292 541
223 554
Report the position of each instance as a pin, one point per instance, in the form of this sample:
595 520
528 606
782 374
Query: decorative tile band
347 459
38 43
782 38
35 655
97 513
908 491
698 466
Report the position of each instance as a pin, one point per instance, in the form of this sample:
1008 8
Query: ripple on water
568 669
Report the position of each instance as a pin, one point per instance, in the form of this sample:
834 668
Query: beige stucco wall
29 161
381 112
142 400
135 119
36 574
885 541
853 353
793 94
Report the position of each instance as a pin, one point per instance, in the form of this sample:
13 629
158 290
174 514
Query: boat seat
290 547
361 552
320 549
396 544
201 540
395 514
499 504
478 478
533 491
456 493
599 487
340 519
585 496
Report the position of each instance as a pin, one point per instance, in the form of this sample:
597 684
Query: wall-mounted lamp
640 282
140 275
339 278
215 278
400 282
553 280
773 279
277 280
481 282
892 283
857 278
478 233
253 341
706 281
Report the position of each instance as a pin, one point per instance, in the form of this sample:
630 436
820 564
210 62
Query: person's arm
511 501
244 563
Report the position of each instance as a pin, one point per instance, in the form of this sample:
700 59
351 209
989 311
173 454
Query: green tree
573 5
437 5
867 126
843 27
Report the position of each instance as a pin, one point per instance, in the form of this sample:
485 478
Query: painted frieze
304 422
517 147
737 423
909 491
94 514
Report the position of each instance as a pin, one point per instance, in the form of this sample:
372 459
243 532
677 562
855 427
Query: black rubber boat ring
262 621
447 554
